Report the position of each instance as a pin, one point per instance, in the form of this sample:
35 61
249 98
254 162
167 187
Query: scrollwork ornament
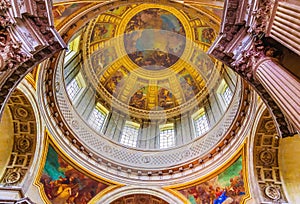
24 144
272 193
249 59
12 177
146 159
22 112
270 125
4 4
107 149
185 154
57 86
10 51
262 16
75 124
266 157
219 133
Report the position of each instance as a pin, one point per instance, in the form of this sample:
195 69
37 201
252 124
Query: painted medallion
154 39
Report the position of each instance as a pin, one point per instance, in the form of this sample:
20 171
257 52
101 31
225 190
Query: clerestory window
166 136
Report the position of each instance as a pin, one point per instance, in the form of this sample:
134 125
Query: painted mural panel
61 12
139 199
188 84
63 184
139 98
155 39
203 63
102 58
116 81
103 31
226 188
166 99
119 11
205 34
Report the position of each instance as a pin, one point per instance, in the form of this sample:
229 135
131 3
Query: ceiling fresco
139 199
154 39
227 187
115 81
62 11
149 56
62 182
228 184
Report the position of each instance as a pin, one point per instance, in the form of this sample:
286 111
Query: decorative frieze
265 153
25 131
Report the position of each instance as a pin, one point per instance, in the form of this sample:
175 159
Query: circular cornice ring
61 129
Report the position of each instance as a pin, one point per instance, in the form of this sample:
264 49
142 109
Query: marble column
285 27
282 86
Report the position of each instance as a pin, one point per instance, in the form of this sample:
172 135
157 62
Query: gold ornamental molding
241 153
63 188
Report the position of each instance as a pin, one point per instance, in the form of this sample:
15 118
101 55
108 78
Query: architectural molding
27 37
147 164
25 131
135 190
241 45
25 200
141 163
266 166
11 195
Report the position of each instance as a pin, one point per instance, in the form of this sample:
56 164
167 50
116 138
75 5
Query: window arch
75 86
224 94
98 117
200 121
130 134
166 136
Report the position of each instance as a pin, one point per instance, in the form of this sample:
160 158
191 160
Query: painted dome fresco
147 57
139 88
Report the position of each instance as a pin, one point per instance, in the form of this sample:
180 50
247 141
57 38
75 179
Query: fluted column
282 86
286 26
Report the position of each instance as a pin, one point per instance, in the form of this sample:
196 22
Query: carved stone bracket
27 37
262 16
10 52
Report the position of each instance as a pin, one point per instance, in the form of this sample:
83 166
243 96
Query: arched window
166 136
75 86
130 134
201 124
225 94
98 117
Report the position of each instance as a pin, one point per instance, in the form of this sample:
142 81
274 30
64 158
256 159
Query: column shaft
283 87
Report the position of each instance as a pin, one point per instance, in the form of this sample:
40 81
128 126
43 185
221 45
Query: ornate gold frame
112 185
241 151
